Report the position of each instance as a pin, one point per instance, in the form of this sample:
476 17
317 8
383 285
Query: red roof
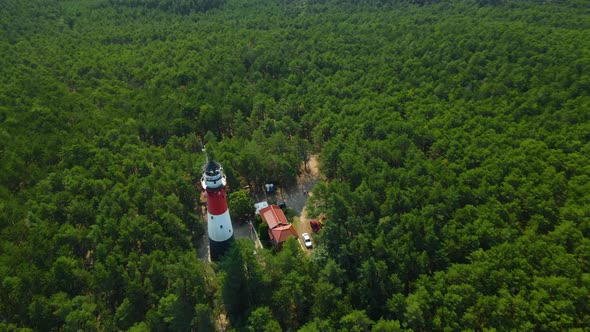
273 216
280 234
279 229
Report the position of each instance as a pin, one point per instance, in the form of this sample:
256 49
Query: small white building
259 206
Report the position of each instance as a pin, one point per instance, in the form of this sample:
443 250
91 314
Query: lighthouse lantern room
219 226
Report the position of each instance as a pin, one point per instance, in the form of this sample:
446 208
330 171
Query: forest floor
242 230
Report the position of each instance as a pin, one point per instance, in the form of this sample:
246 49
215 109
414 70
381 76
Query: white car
307 240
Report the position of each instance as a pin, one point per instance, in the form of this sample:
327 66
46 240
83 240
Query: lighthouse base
217 249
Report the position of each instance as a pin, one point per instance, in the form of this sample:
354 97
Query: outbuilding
279 228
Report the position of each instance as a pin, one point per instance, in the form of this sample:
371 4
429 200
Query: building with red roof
279 229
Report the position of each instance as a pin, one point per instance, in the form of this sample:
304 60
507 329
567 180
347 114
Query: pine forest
452 138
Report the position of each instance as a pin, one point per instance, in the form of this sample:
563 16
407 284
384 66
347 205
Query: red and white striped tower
219 227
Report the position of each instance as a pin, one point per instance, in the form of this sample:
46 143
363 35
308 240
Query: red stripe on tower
216 202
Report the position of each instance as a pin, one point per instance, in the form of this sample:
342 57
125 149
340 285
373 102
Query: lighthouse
219 227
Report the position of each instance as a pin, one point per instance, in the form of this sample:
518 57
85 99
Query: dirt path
296 198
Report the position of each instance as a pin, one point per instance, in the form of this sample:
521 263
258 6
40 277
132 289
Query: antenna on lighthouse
204 150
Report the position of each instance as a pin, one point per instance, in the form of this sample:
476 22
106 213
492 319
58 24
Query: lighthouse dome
213 177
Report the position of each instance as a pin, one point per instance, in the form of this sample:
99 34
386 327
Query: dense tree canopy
454 144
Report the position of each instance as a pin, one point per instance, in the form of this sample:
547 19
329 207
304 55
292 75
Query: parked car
270 188
315 225
307 240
